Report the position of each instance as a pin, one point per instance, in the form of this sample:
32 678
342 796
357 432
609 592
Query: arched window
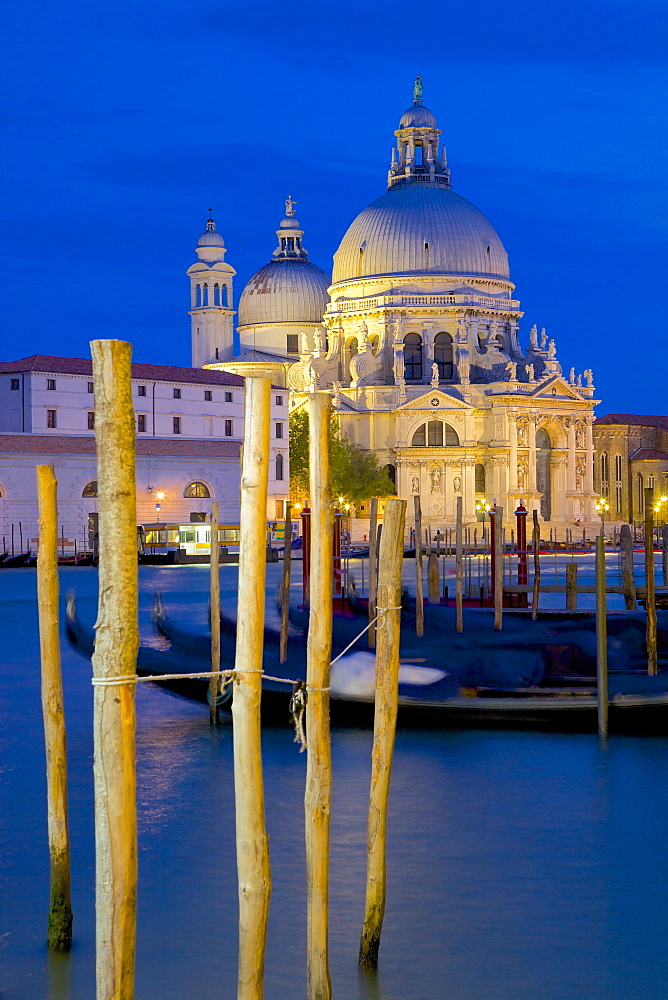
618 468
443 355
197 489
279 466
216 294
205 295
435 434
480 478
413 356
90 489
604 474
224 300
640 486
391 473
198 295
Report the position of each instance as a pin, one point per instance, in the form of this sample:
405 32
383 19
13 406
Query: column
570 484
531 430
512 426
468 489
589 445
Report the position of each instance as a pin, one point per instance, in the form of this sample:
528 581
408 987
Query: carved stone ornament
457 484
435 401
435 480
415 484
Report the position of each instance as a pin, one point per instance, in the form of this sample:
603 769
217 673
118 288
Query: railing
380 301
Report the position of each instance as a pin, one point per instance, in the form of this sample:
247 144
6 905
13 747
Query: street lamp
658 507
602 507
483 507
160 496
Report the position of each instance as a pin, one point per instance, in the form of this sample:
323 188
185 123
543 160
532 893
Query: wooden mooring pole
419 584
650 599
628 579
664 554
433 592
115 656
253 868
601 639
59 936
285 587
458 567
214 683
317 797
384 728
373 568
571 586
536 565
498 568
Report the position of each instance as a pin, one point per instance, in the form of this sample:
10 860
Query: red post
336 551
522 567
306 556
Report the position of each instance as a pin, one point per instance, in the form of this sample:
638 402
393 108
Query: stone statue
435 477
512 369
579 436
417 89
571 376
589 375
434 374
533 336
461 332
543 338
579 382
552 350
303 340
457 484
531 372
290 206
337 392
318 339
415 484
522 475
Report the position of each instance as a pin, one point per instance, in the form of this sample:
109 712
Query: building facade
631 455
189 425
419 346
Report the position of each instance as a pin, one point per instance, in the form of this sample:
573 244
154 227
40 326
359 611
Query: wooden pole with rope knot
214 683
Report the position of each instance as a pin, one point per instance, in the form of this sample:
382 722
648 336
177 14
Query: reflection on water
520 865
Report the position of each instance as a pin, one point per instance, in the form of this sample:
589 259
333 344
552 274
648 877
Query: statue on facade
533 336
435 477
579 436
434 374
571 377
319 340
511 368
543 338
579 474
363 331
522 475
531 373
589 375
337 393
303 342
415 484
457 484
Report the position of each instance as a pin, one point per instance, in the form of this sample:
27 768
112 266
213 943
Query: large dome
389 237
287 290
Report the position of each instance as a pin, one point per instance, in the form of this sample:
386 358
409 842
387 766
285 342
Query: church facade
416 336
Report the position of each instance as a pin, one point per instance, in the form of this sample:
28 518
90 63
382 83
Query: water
521 865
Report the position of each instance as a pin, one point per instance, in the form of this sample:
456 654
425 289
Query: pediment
558 382
435 399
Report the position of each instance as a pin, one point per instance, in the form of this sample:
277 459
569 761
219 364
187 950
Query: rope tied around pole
298 703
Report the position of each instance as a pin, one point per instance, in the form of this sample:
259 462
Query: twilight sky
123 121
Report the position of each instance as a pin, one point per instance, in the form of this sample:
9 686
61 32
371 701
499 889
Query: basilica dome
287 290
420 228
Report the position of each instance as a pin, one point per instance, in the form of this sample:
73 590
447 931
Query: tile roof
648 454
70 444
634 419
53 364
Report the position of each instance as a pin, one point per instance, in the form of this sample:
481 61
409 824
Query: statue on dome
417 89
511 368
303 340
290 205
531 372
318 340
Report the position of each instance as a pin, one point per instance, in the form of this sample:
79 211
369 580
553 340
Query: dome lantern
418 136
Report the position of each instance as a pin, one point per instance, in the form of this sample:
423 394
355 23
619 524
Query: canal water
521 865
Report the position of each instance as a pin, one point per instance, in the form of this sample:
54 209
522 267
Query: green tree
356 474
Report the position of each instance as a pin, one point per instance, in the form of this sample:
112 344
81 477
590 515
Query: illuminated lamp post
483 507
336 549
160 496
602 506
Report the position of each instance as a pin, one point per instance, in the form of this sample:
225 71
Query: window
480 478
198 295
50 418
420 437
604 473
443 355
641 493
618 498
208 395
216 294
91 387
91 420
618 468
205 295
292 343
224 295
650 482
435 434
141 390
228 428
391 473
176 393
228 397
90 489
15 383
141 423
413 356
280 510
197 489
279 467
279 429
51 384
279 401
176 424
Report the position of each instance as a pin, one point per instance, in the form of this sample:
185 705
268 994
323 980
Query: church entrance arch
543 478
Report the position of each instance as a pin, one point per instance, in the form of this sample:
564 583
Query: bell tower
211 300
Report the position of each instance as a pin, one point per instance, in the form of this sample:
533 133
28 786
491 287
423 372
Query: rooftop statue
290 205
417 89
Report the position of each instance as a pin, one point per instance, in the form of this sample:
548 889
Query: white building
419 345
189 432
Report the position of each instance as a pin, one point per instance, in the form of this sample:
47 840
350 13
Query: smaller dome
289 222
417 116
211 239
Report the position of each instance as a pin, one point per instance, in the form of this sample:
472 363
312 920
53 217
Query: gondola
21 559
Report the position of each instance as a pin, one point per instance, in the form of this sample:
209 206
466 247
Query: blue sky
123 121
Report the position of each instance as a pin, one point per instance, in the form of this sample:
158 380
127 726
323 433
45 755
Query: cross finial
290 205
210 211
417 89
